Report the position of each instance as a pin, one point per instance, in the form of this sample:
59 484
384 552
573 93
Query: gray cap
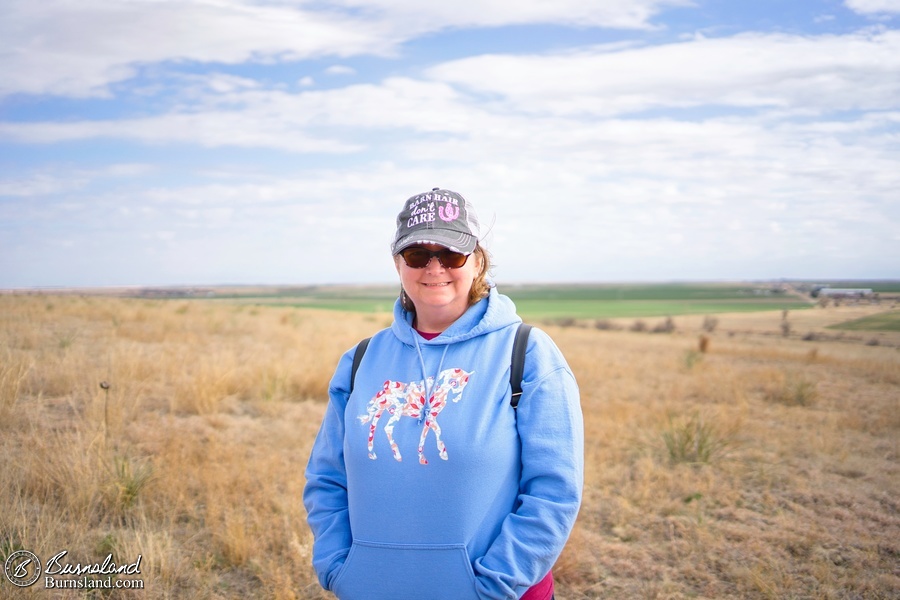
437 217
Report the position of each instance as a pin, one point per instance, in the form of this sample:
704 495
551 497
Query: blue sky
200 142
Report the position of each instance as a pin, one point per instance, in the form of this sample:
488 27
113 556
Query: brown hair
480 286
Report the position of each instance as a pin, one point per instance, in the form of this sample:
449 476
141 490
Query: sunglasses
418 258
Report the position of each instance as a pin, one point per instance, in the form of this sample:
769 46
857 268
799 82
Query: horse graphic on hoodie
401 399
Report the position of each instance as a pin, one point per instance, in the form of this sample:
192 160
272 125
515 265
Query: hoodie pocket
406 572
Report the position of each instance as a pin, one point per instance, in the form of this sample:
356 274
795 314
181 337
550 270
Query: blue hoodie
425 484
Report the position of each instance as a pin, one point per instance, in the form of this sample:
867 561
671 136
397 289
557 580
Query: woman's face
437 290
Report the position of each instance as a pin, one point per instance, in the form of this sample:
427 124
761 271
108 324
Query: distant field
561 301
886 321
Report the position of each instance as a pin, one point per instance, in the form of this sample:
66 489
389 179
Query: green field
610 309
886 321
558 301
648 300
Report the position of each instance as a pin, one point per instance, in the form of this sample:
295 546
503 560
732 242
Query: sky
205 142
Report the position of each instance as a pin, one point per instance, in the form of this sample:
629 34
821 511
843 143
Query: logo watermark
23 569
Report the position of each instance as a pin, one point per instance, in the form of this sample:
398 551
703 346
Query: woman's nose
434 264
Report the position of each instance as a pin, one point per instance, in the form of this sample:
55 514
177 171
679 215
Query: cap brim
454 240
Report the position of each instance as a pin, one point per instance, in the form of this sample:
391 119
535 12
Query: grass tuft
14 369
793 390
692 358
693 440
129 478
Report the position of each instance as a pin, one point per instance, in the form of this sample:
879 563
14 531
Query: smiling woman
441 291
490 518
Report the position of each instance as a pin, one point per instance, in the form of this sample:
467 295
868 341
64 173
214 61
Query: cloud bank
164 151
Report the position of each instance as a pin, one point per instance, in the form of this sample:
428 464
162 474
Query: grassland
731 457
885 321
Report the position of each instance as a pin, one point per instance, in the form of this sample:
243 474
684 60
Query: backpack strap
357 358
517 367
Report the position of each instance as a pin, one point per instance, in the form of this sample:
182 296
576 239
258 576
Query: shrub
693 440
691 358
667 326
710 324
564 322
794 391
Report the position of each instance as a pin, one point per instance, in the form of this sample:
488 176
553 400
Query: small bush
691 358
639 326
794 391
693 440
710 324
667 326
564 322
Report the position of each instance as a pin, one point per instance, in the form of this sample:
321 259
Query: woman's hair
480 286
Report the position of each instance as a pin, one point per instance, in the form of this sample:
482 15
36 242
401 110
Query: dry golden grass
764 467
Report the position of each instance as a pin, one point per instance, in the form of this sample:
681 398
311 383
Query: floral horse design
408 400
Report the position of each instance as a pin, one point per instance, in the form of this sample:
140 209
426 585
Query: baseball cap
437 217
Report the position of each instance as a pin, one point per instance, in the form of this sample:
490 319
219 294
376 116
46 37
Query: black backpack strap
517 367
357 358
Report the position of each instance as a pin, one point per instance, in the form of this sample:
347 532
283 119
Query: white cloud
533 104
871 7
615 174
700 194
625 14
309 121
210 129
340 70
45 182
80 48
38 184
786 75
751 70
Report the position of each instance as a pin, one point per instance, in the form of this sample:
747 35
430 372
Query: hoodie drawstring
428 388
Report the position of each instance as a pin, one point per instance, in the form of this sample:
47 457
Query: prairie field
735 455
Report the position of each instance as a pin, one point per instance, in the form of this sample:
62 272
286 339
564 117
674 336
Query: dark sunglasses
418 258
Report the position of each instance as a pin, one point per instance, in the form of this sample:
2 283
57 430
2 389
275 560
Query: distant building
840 293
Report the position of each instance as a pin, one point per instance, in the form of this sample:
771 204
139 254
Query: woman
424 483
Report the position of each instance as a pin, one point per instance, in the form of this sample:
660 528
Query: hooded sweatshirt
425 484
